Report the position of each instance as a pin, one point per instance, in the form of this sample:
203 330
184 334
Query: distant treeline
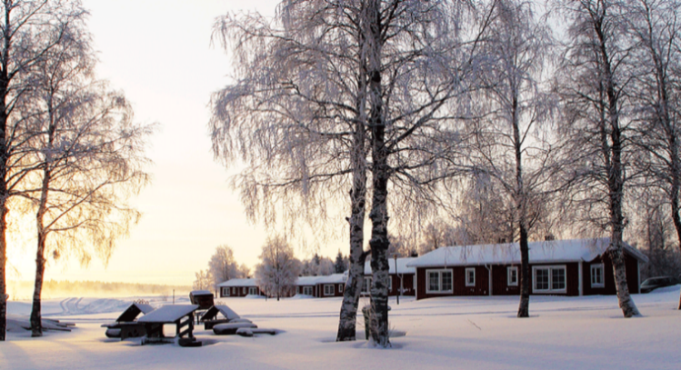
53 288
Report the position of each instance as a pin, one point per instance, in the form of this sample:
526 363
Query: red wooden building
558 267
322 286
400 278
314 286
239 288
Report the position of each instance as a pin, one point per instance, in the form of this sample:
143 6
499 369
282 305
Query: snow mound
19 323
301 296
667 289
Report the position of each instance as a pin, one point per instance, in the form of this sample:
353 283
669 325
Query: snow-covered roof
168 313
403 266
333 278
550 251
200 292
238 282
307 280
327 279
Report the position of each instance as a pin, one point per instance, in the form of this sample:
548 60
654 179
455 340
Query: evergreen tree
339 266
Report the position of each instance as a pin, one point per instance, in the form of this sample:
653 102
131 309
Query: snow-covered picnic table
126 326
171 314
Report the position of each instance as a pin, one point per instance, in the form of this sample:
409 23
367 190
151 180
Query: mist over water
23 290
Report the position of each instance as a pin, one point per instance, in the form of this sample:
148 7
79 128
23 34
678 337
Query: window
253 290
235 291
366 287
512 276
225 292
340 288
549 279
470 276
328 289
307 290
597 278
439 281
243 290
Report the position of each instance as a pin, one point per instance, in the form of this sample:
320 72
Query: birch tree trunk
379 207
36 321
677 220
3 263
348 314
525 281
353 286
601 67
36 324
4 157
612 152
521 199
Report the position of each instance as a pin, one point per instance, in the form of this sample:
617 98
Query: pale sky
159 53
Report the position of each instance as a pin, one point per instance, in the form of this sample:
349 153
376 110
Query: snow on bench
210 317
248 332
232 327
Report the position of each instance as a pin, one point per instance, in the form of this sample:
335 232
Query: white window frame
509 274
598 266
307 290
243 290
328 289
225 292
469 270
366 285
252 290
550 289
439 272
340 288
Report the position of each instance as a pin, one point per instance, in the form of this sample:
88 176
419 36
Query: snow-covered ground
446 333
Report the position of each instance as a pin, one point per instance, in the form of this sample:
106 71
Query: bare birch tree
28 31
278 270
420 59
654 26
594 82
88 154
222 266
297 117
510 141
485 216
337 80
203 280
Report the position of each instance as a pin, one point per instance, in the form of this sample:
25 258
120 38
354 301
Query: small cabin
239 288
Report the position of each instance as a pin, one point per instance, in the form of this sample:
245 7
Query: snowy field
446 333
